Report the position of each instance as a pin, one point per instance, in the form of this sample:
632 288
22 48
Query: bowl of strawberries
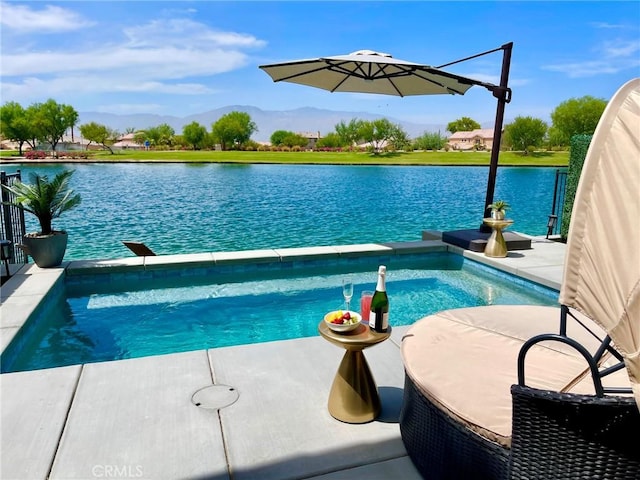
342 320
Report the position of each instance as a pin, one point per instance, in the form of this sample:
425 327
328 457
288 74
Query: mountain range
305 119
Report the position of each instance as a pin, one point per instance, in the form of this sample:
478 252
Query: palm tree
43 198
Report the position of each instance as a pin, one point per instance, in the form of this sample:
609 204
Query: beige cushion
465 361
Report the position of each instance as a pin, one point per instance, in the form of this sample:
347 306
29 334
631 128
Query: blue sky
186 57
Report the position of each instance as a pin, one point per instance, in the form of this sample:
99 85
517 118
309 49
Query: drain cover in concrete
215 397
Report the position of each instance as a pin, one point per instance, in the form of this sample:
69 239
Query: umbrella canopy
366 71
602 268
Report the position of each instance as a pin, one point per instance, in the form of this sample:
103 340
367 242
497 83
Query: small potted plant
498 209
46 200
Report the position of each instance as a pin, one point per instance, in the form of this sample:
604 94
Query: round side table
496 246
354 395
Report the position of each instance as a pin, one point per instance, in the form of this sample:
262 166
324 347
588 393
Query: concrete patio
136 419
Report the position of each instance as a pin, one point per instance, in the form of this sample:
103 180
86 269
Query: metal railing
555 217
12 219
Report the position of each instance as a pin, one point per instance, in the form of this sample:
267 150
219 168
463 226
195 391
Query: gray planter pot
46 250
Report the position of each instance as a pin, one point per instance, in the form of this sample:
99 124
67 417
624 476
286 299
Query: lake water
190 208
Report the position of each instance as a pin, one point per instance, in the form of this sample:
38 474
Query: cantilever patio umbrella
366 71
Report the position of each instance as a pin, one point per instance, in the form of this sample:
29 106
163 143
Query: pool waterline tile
306 253
417 247
364 249
246 256
179 261
85 267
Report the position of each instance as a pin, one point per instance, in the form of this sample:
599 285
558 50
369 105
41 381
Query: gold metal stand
496 246
354 395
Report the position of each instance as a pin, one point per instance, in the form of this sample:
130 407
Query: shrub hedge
577 154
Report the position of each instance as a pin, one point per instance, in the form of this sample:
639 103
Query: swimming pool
95 318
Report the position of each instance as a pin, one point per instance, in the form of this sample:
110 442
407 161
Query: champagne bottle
379 316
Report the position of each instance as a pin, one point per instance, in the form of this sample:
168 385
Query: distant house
66 143
10 145
479 139
126 142
312 138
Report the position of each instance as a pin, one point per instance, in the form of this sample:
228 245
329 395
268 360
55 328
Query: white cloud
187 34
151 59
609 58
24 19
152 62
129 108
97 84
621 48
605 25
587 69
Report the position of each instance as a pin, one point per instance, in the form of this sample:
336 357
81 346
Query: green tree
381 131
296 140
16 126
430 141
349 133
52 119
330 140
179 143
100 134
209 141
287 138
165 134
140 137
555 138
464 124
234 128
525 132
160 135
35 134
577 116
398 139
152 135
194 134
277 137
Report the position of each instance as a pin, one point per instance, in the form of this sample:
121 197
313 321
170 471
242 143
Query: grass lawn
537 159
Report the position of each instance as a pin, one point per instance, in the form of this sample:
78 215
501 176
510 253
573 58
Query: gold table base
354 396
496 246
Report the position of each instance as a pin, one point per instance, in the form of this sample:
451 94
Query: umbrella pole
503 94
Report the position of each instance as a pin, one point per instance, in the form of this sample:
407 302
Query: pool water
83 324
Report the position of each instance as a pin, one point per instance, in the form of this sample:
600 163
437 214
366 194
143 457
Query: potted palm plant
46 199
498 209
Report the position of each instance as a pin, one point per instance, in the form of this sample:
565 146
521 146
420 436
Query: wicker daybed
530 392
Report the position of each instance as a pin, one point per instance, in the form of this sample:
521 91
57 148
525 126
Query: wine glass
347 290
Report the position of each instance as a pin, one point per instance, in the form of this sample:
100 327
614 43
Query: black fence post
13 227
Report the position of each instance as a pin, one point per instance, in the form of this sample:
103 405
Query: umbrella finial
371 52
